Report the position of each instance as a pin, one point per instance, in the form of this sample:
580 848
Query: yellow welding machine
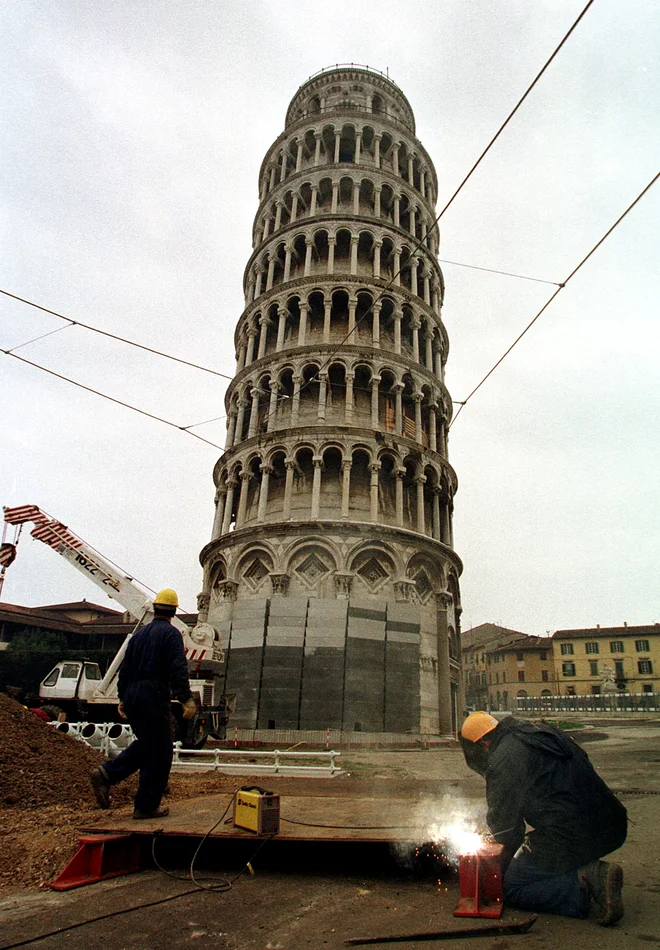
257 810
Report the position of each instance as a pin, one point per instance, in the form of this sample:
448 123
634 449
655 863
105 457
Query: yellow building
520 669
627 657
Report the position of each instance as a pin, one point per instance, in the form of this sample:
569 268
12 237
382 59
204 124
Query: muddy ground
312 897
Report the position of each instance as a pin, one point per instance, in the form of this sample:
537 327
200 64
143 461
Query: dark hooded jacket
536 774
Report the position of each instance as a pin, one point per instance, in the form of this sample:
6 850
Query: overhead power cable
112 336
557 291
118 402
504 273
418 243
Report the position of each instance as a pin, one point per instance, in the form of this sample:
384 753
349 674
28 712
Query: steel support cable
112 336
118 402
418 242
552 297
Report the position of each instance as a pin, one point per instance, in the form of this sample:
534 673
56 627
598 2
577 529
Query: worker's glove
120 710
189 708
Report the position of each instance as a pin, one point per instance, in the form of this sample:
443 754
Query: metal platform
310 810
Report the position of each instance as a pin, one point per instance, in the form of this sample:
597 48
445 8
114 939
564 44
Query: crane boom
202 643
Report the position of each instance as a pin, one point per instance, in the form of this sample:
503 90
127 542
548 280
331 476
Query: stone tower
331 570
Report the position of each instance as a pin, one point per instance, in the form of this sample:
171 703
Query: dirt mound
38 765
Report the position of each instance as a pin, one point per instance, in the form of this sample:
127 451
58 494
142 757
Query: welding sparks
457 839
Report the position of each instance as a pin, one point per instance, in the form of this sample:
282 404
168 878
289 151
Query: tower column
240 361
420 481
354 253
375 333
377 247
242 406
287 263
352 307
398 317
229 505
398 408
264 323
436 514
375 383
335 197
302 326
417 399
220 498
398 489
249 356
271 271
415 325
295 400
263 493
429 345
290 467
231 429
317 462
272 406
348 406
327 310
433 439
242 501
374 469
254 413
282 314
317 150
323 394
332 242
345 488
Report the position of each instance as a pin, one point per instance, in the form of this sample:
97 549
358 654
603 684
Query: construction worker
554 815
154 667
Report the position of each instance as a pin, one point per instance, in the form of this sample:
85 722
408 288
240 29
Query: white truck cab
71 679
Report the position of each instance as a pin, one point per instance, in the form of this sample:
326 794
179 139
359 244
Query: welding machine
257 810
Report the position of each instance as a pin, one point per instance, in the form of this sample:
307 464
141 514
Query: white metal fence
591 703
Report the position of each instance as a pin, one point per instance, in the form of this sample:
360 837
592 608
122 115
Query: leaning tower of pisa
331 570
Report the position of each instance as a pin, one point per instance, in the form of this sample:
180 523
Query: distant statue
607 679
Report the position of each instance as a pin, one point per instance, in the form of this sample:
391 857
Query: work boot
604 882
101 786
159 812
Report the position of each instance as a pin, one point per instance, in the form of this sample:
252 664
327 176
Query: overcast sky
132 137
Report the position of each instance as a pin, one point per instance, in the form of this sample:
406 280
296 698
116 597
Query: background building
583 659
331 568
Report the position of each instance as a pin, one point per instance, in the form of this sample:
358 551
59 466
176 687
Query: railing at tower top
371 69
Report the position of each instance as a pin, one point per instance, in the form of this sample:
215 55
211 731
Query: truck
78 686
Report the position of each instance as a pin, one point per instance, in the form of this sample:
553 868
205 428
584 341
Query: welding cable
314 824
95 920
223 884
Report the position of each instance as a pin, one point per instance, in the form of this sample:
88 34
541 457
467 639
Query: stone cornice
353 530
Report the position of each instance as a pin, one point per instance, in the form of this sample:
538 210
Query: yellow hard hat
477 725
167 597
